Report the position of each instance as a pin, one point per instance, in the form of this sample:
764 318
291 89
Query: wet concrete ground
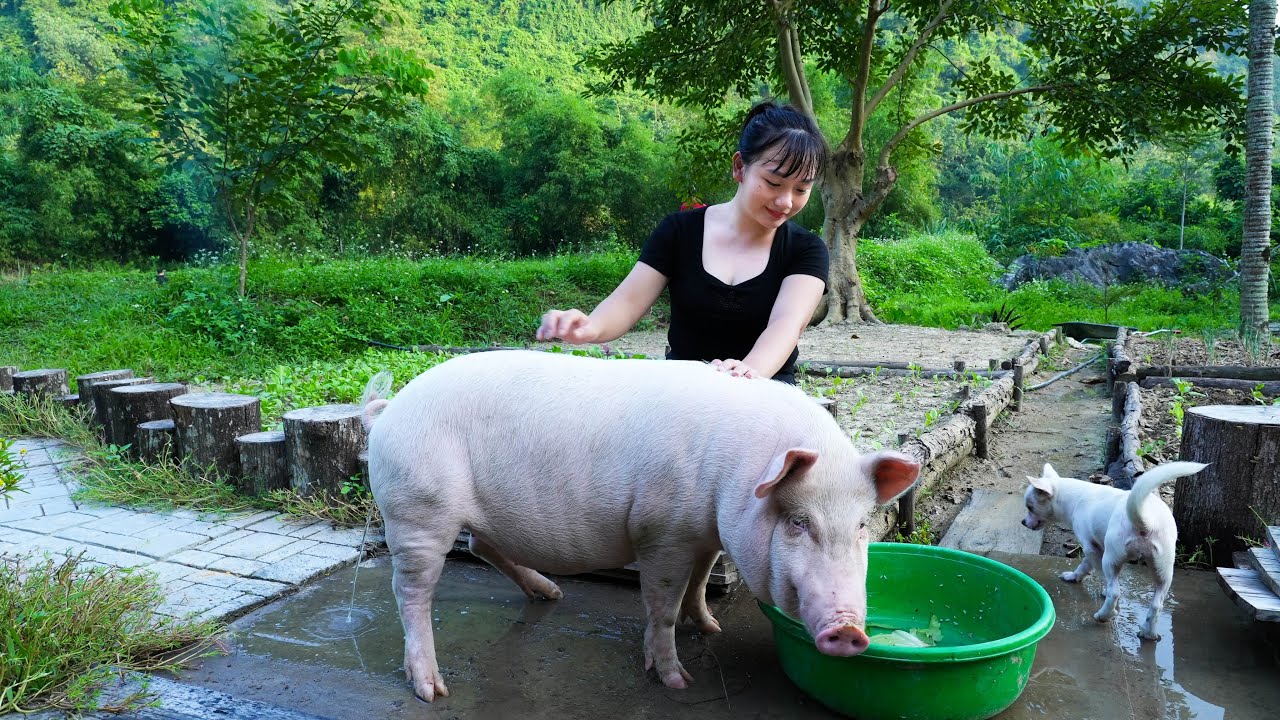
504 657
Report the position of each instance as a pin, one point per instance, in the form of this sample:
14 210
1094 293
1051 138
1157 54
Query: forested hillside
505 154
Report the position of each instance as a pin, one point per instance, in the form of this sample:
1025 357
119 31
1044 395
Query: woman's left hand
736 368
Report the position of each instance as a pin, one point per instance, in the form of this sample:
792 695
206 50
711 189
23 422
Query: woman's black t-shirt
711 320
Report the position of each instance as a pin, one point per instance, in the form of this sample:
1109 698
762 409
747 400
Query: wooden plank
985 525
724 574
1248 592
1267 565
1273 537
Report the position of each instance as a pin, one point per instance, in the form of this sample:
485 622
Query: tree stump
69 401
47 382
263 467
129 405
206 426
85 383
6 377
97 397
155 440
322 447
1239 493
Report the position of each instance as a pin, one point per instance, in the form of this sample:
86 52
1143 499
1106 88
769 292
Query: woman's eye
773 184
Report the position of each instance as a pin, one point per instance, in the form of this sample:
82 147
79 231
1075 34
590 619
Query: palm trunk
1255 251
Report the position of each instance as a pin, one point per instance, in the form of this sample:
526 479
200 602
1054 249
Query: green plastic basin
991 616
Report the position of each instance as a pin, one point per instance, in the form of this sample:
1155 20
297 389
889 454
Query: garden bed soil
934 348
1186 349
1158 434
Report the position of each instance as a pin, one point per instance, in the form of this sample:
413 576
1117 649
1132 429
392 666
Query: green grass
296 312
68 628
948 280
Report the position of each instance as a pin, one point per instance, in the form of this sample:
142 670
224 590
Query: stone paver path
210 566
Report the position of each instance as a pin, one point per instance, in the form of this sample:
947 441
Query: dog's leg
1162 580
1112 565
1087 564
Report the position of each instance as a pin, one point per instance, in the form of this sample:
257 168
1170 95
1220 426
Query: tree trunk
129 405
1255 251
1239 493
98 399
263 466
46 382
84 383
6 377
155 440
322 447
206 426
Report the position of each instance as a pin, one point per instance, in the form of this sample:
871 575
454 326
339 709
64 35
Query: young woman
744 279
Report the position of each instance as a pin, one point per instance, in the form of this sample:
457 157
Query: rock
1123 263
997 327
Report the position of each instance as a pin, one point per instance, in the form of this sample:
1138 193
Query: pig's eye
800 522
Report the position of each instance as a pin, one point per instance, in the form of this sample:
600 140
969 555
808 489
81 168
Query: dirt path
1064 424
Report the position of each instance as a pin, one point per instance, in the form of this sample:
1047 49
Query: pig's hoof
677 678
430 687
704 621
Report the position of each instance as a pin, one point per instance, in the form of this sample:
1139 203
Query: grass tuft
69 628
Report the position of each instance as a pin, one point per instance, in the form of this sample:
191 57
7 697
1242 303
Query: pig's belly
559 549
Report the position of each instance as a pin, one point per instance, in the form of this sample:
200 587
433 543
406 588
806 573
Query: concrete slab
991 522
581 657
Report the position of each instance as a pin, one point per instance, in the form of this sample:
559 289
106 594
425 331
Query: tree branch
887 150
858 115
791 64
921 40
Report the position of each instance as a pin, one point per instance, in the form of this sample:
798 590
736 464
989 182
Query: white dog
1114 527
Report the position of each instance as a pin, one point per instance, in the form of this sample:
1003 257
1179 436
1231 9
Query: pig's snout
842 641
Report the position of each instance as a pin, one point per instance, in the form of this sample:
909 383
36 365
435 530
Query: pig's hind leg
533 583
417 557
694 606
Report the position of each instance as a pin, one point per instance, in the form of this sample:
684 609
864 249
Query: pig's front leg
694 606
663 578
417 560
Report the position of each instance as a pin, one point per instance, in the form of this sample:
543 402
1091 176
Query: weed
922 535
350 507
1260 398
69 629
1177 406
11 466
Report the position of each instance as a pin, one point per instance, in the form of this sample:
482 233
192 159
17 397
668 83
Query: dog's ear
1042 485
1049 472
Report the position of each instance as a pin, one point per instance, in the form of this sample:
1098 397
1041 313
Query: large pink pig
568 464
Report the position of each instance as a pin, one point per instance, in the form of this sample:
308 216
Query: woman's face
771 198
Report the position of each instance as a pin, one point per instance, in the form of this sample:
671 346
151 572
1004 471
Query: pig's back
533 445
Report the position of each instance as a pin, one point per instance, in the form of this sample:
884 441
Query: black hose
1065 373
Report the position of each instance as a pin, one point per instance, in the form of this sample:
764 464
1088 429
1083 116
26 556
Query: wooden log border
1123 460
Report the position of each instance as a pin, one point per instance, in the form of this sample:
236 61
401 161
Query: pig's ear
893 474
791 465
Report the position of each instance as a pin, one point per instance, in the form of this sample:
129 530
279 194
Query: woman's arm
797 299
614 316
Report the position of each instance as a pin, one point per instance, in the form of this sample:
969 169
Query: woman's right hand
572 326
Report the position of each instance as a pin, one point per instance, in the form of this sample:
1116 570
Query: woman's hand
572 326
736 368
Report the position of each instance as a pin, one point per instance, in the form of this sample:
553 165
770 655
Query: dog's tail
1152 479
374 401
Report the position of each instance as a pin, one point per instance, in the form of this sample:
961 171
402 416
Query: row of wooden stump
215 433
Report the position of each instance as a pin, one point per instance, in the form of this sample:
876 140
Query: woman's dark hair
794 138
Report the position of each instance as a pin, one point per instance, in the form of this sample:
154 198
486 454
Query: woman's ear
739 167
